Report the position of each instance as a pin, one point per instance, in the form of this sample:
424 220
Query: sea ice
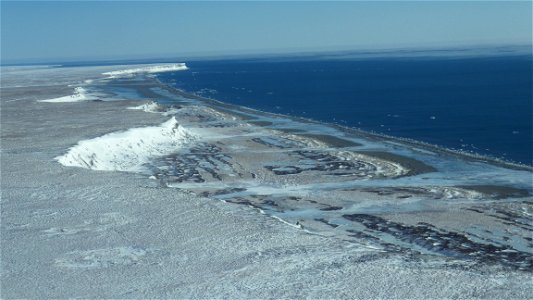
69 233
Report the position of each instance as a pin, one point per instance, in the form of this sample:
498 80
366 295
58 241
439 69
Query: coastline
226 107
76 232
416 167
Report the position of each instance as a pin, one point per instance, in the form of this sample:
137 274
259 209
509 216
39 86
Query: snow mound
152 107
80 94
148 69
127 150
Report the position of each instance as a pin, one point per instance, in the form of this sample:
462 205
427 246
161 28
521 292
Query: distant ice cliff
148 69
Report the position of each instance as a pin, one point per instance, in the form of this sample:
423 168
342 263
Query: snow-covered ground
81 233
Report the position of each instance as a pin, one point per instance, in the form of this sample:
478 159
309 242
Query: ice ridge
128 150
80 94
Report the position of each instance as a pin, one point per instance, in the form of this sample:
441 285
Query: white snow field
69 232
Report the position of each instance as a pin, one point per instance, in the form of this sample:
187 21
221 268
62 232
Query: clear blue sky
33 31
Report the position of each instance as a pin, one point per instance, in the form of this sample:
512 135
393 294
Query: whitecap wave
128 150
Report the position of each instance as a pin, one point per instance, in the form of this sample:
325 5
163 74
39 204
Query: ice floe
128 150
80 94
148 69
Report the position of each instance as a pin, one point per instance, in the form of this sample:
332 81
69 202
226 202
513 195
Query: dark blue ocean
478 104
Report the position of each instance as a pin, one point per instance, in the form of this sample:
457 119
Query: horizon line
333 52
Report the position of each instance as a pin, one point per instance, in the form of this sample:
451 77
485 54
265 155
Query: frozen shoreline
72 232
